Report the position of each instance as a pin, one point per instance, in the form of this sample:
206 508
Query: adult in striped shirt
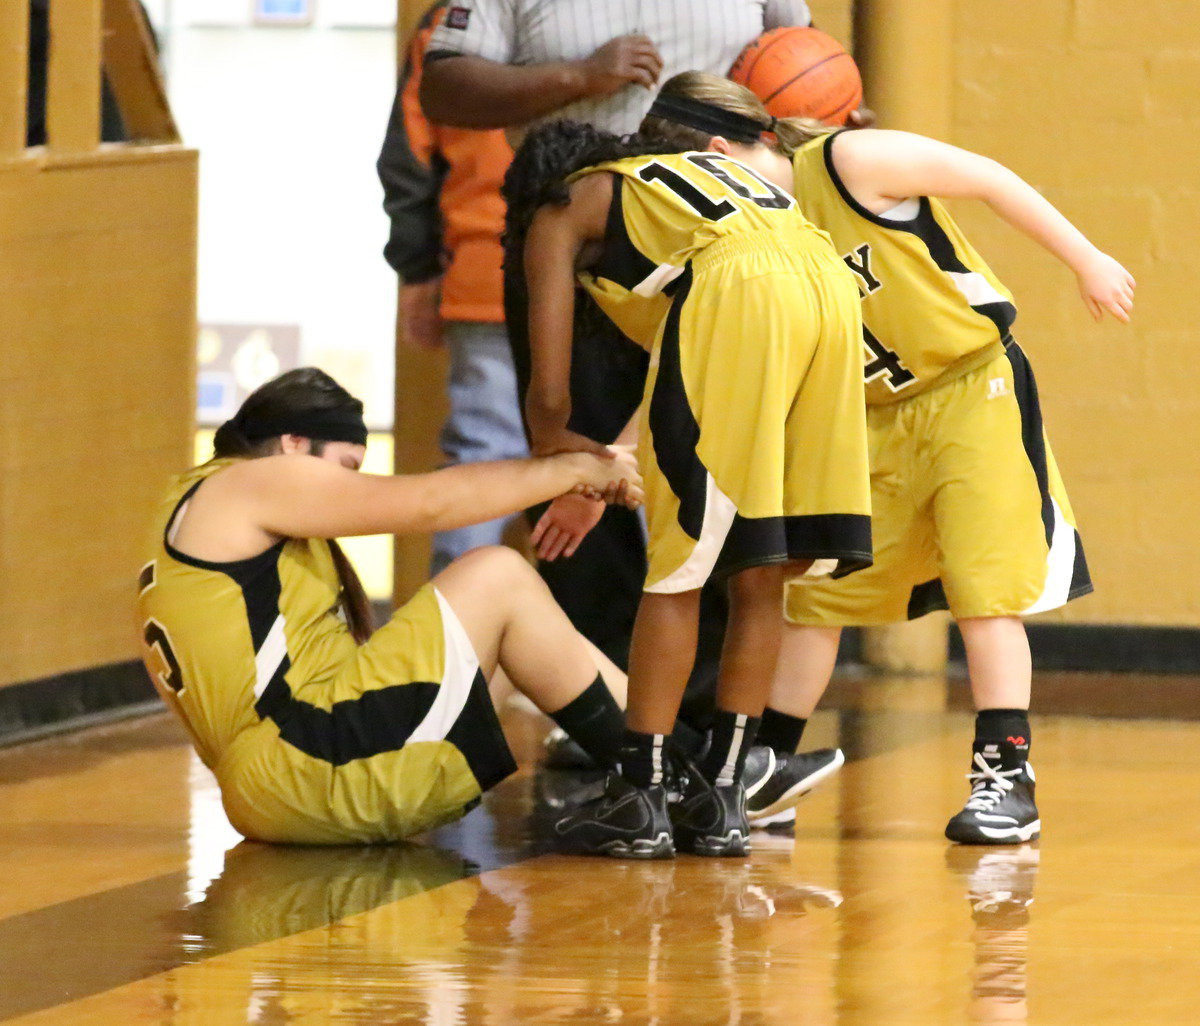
511 63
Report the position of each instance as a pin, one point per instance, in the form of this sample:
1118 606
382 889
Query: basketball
800 72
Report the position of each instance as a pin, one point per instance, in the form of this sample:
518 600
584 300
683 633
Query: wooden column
421 400
14 62
73 79
906 52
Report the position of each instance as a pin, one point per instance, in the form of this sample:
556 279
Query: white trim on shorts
459 667
719 511
1060 566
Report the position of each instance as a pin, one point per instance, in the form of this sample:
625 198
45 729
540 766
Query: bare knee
756 584
494 579
490 566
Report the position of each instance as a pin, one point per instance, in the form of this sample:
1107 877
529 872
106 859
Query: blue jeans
484 421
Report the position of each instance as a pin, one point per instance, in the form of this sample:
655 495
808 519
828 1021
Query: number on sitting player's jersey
157 639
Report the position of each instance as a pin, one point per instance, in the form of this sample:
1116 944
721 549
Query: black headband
321 425
707 117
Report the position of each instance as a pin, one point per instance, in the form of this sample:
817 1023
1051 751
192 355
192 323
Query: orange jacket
441 190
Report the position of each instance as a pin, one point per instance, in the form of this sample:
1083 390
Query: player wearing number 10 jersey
751 434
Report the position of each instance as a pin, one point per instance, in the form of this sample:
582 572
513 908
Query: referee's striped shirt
691 35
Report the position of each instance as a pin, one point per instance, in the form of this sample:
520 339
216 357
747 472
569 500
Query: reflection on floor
128 899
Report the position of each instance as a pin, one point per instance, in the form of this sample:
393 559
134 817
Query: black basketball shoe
625 822
1001 808
710 819
793 776
758 769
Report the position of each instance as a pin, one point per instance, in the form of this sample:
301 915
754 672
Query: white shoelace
989 785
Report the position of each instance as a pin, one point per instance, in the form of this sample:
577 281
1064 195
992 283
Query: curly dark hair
549 155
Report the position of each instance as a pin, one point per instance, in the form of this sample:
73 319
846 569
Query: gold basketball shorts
969 511
401 739
753 436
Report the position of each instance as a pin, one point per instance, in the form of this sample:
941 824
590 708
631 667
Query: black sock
732 736
1007 730
594 721
643 757
781 732
688 740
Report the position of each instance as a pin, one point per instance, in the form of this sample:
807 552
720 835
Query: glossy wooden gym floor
127 898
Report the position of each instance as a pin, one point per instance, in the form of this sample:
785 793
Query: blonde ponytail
793 133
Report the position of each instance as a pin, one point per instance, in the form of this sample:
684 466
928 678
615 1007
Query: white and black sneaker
1001 808
625 822
758 769
773 804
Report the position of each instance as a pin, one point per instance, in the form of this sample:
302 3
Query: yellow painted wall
97 330
834 17
1097 103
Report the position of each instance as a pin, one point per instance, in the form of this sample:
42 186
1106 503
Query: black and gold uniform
969 510
313 738
752 441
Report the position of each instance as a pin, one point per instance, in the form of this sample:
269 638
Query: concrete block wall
1095 102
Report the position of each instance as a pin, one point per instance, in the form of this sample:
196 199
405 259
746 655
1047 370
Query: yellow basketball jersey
932 308
220 640
665 209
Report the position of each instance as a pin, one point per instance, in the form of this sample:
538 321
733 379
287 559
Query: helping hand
613 478
564 525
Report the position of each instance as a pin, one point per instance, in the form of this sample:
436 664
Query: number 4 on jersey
881 361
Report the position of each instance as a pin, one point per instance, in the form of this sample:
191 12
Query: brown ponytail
355 603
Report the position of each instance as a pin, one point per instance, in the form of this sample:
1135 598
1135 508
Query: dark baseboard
1107 648
83 698
68 701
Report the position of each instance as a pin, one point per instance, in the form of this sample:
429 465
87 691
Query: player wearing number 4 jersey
751 436
969 510
257 631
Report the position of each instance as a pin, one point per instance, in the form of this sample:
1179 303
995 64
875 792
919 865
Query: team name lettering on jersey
861 267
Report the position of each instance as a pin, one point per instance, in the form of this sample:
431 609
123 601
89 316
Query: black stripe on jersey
146 577
760 541
673 425
241 570
926 228
1032 433
621 261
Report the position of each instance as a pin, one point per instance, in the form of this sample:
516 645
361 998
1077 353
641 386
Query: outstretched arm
880 168
557 243
305 497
